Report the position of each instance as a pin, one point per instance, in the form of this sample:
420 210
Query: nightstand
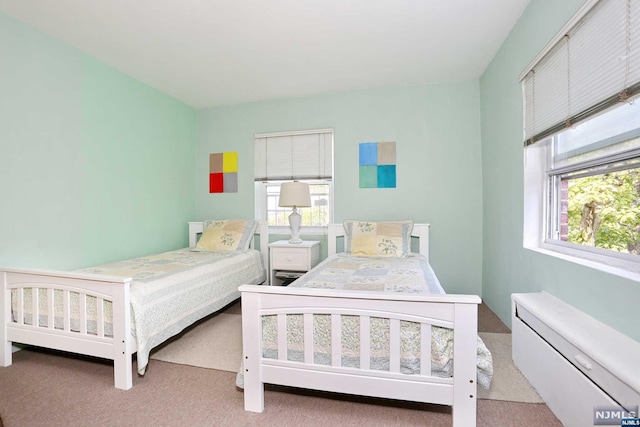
287 261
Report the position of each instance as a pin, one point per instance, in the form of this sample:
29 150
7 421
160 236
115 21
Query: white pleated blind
634 50
594 64
543 105
295 155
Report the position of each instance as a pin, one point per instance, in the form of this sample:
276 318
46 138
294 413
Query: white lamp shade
294 194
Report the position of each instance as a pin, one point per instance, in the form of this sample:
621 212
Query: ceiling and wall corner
283 63
212 53
96 166
378 69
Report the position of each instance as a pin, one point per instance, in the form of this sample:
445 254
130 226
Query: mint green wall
437 130
507 267
94 165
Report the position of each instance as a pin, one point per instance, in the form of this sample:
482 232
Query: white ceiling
218 52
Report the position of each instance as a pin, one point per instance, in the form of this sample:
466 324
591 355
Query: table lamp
294 195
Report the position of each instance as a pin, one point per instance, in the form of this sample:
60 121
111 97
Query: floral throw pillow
378 238
227 235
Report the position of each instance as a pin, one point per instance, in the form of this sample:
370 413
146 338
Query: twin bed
372 320
127 307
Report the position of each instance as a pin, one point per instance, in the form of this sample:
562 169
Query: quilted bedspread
411 274
169 292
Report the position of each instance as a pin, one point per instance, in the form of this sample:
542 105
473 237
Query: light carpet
507 383
216 343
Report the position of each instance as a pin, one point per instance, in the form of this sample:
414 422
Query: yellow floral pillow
378 238
227 235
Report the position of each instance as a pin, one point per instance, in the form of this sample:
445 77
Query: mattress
411 274
169 292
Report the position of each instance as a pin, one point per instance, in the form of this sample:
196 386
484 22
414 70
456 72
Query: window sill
304 231
627 270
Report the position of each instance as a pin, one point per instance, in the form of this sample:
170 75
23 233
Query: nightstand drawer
288 259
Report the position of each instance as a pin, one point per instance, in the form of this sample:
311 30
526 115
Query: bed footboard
456 312
69 312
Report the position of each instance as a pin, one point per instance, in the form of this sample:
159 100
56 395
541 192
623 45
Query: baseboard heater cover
575 362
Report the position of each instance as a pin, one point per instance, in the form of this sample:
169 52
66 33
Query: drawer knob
288 258
583 362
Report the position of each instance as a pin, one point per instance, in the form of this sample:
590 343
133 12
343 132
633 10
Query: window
594 182
305 156
582 139
316 215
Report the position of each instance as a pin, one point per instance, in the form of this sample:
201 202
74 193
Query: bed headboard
197 227
421 231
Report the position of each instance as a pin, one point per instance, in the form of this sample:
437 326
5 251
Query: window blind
294 155
593 64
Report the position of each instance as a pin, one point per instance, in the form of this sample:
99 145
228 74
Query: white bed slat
308 337
100 317
425 349
66 309
336 340
82 299
282 337
365 342
35 308
50 309
20 303
394 345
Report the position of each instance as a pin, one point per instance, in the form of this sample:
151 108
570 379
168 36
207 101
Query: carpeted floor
507 383
44 388
214 344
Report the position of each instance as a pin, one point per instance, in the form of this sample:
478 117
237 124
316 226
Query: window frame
261 208
539 209
572 80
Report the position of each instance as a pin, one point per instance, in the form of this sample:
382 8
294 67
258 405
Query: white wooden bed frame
458 312
120 347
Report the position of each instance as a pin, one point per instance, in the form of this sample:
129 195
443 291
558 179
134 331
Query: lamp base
294 223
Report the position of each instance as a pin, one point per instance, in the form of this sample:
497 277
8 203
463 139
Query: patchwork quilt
169 292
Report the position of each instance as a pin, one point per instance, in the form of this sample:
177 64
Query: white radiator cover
574 362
